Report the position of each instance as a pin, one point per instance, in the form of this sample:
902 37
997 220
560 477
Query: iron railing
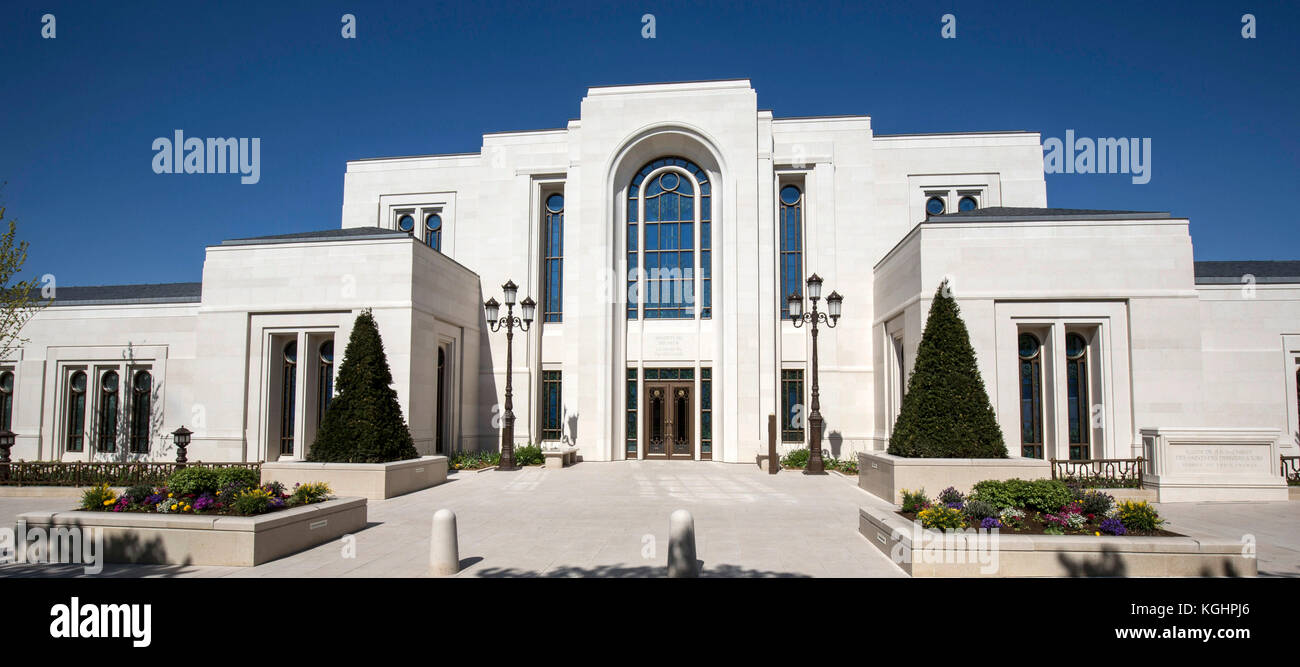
1101 473
1290 466
82 473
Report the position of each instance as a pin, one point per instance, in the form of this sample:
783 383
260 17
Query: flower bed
230 492
1038 507
798 460
528 455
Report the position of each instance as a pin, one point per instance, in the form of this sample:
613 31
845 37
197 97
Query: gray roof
1219 273
339 234
1011 213
96 295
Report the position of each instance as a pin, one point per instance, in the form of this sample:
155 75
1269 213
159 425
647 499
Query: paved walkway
593 519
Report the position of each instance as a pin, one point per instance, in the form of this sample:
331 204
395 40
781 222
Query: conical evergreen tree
946 411
364 422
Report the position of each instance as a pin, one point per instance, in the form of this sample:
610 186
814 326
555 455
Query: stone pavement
1275 528
589 520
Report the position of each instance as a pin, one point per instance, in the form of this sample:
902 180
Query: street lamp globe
796 305
510 289
814 287
492 308
529 307
833 304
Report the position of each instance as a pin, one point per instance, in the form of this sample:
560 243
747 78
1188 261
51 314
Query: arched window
325 391
935 206
6 401
1076 386
141 411
76 413
791 227
1031 396
108 407
406 223
288 394
671 199
433 231
553 260
967 203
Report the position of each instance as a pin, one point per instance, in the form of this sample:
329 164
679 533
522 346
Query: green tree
19 301
364 422
946 411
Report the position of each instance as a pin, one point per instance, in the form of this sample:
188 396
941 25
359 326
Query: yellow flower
1097 533
169 495
108 502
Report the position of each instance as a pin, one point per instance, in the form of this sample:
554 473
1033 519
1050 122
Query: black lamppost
181 437
6 443
815 465
510 290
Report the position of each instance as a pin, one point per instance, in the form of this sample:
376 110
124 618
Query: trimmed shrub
946 411
193 480
997 493
364 422
1046 495
241 477
797 458
529 455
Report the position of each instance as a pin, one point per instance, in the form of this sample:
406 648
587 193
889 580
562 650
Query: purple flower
954 506
990 522
205 501
1113 527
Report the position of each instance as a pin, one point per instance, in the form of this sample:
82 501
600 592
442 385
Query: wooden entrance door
669 411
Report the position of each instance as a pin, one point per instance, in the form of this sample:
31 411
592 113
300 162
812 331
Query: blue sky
81 110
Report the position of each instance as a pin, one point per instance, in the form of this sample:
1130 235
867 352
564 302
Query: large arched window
7 401
325 389
108 407
141 411
791 227
1076 387
76 412
553 260
669 207
1031 396
433 231
288 395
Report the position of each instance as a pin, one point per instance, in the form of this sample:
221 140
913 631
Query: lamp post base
815 472
508 468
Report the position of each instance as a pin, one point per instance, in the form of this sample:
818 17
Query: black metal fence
80 473
1291 469
1100 473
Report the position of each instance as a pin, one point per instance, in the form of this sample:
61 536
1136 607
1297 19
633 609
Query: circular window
790 195
79 381
669 181
327 352
934 206
1029 346
7 382
143 381
555 203
406 223
433 223
967 204
1075 345
291 351
109 382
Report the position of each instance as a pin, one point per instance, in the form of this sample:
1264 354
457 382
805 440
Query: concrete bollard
681 546
444 550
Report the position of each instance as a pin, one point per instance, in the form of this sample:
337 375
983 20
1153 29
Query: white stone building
724 207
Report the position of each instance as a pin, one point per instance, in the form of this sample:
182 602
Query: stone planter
885 476
373 481
986 554
176 539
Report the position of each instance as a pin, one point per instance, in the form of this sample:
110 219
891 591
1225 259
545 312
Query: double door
669 409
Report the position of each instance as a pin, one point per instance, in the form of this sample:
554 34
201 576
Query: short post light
181 438
834 303
492 309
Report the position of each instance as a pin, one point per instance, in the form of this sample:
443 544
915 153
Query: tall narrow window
433 231
440 424
630 416
76 413
791 228
141 404
1031 396
792 405
706 413
553 263
7 401
325 392
108 408
552 426
1076 381
670 198
288 391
